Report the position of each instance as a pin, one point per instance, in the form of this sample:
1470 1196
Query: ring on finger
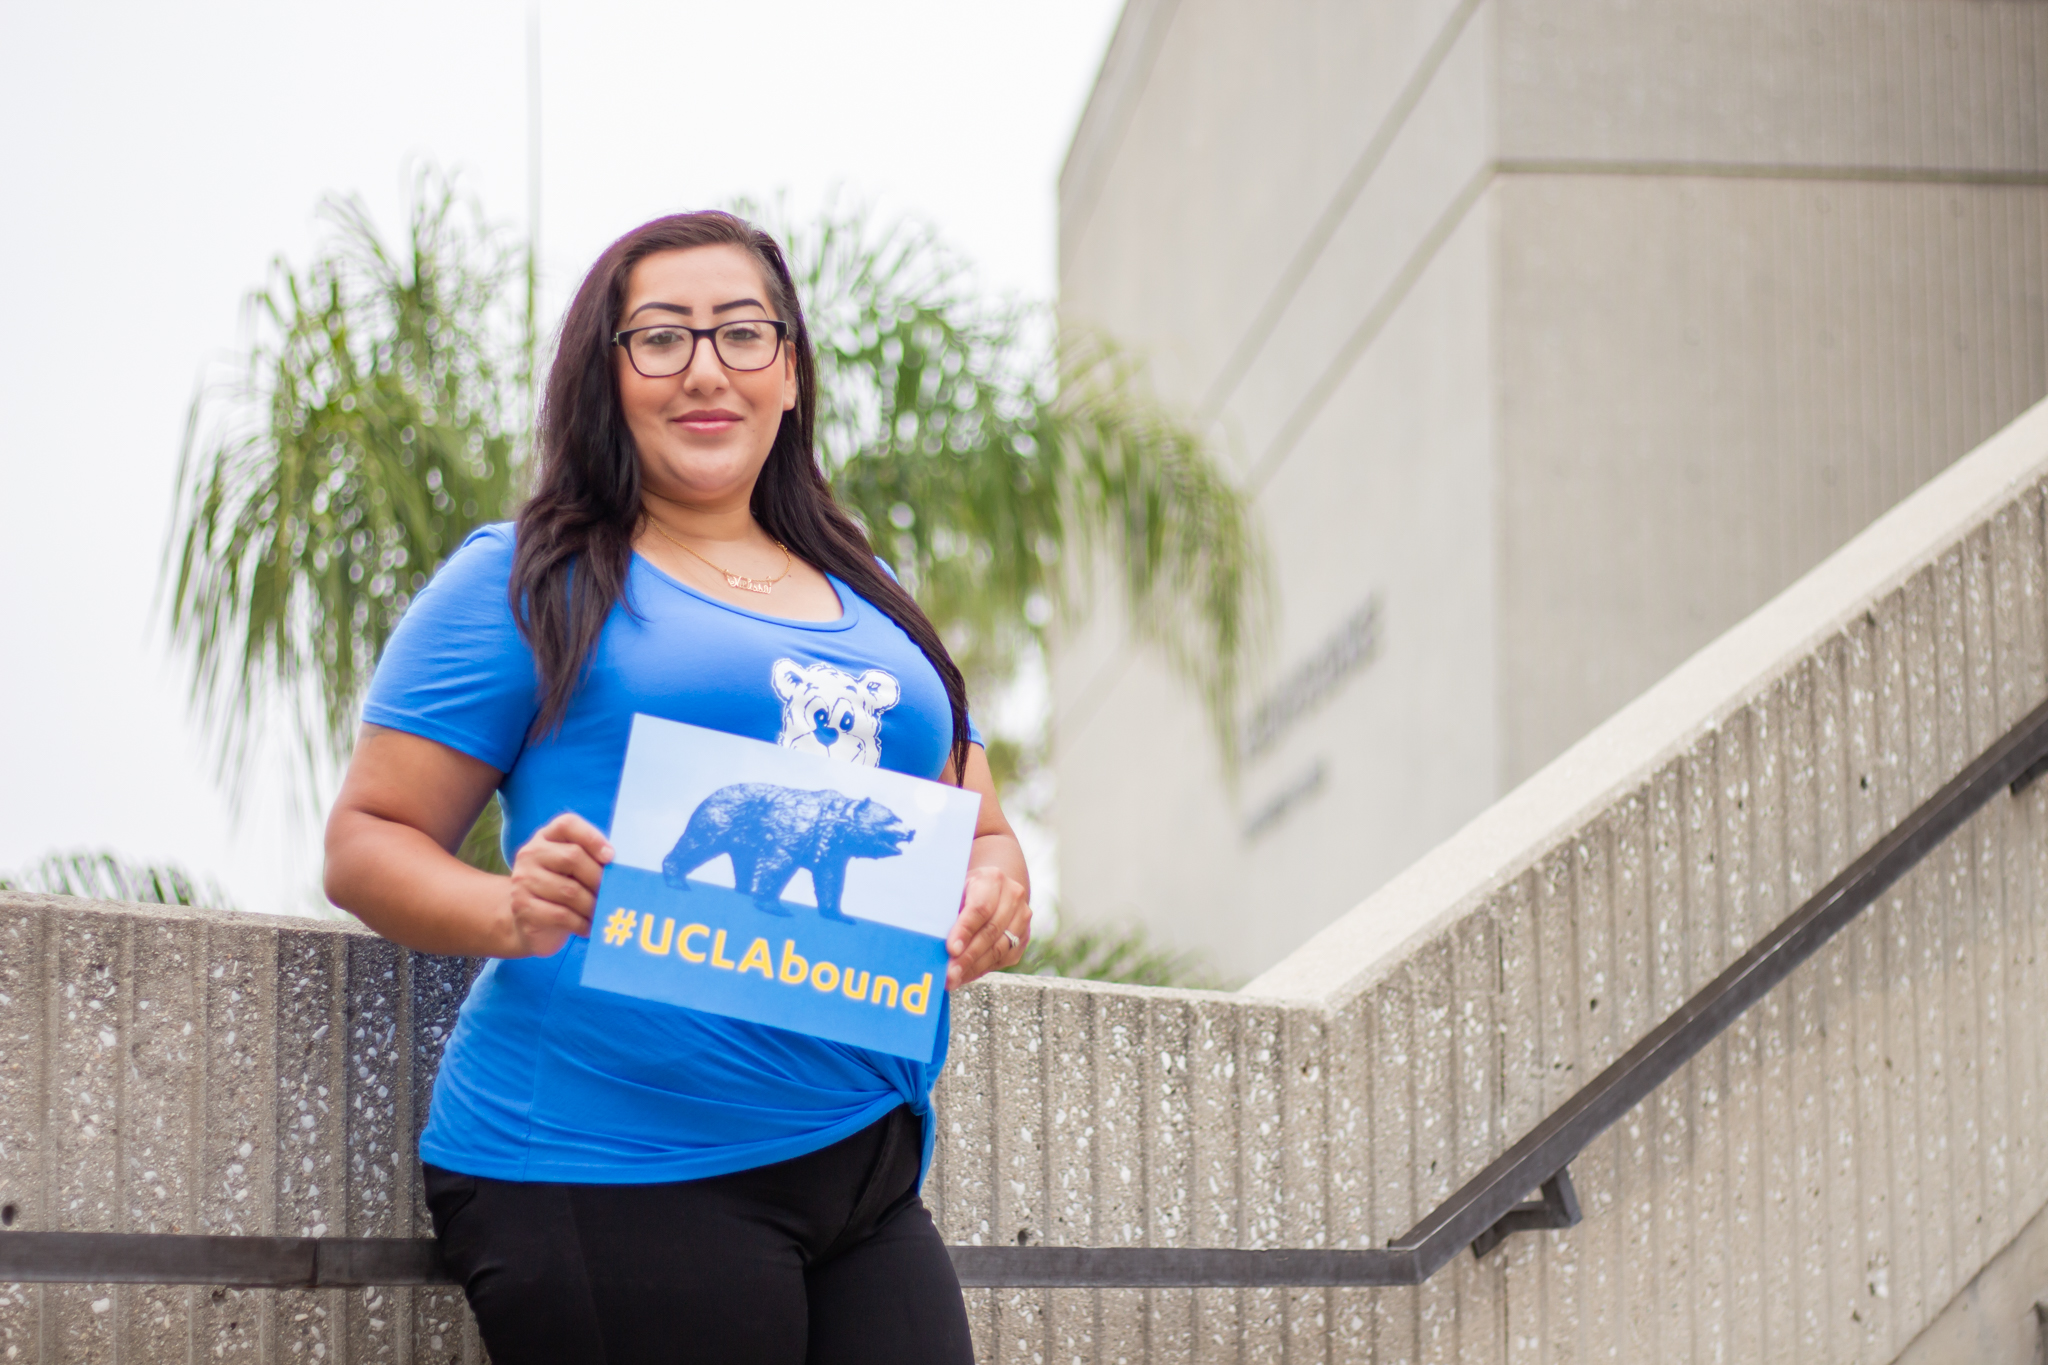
1014 942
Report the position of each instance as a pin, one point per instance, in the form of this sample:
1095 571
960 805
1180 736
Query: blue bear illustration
769 832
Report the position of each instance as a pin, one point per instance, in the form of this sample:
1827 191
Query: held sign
780 887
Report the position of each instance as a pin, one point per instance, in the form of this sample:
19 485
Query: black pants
829 1257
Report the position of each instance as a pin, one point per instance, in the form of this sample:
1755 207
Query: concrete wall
1824 1180
1574 330
1764 269
1817 1186
168 1070
1280 213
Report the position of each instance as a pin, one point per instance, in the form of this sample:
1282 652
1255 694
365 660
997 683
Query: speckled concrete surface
168 1070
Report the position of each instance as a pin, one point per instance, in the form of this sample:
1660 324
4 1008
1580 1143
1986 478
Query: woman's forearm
1002 852
412 891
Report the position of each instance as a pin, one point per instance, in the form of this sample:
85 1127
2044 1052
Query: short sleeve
457 671
973 730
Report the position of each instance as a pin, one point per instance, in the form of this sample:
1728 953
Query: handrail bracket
1556 1206
2032 775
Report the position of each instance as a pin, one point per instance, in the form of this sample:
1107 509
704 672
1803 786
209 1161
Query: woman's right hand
554 885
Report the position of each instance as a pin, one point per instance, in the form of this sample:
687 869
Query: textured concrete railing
1814 1187
166 1070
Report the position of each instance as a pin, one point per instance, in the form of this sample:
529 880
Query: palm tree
381 418
376 424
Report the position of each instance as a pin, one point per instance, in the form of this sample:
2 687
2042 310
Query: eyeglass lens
658 352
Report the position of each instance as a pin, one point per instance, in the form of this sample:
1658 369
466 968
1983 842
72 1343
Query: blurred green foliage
377 423
107 876
1009 761
999 465
1123 953
483 846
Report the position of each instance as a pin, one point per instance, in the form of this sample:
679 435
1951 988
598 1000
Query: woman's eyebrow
684 308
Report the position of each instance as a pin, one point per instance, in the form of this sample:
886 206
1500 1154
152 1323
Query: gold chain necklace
734 580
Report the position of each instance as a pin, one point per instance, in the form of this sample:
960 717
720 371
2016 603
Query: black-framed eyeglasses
668 348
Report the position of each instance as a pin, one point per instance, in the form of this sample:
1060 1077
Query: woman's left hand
993 927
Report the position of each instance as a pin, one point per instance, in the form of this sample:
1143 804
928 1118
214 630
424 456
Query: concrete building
1552 339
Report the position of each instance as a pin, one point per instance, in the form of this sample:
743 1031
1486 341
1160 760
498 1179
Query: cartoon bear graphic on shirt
770 832
830 712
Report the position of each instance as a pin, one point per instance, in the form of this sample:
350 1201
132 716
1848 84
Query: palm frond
372 430
1113 953
926 428
978 460
109 877
1145 493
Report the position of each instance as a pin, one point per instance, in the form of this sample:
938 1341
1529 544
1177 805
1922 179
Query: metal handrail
1490 1206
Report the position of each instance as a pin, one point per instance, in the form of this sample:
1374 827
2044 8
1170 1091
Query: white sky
156 157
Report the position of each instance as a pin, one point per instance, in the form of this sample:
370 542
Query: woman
615 1180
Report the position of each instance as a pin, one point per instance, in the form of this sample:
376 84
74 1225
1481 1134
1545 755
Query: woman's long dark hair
576 532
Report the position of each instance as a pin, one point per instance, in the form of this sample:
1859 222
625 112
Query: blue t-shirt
544 1079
